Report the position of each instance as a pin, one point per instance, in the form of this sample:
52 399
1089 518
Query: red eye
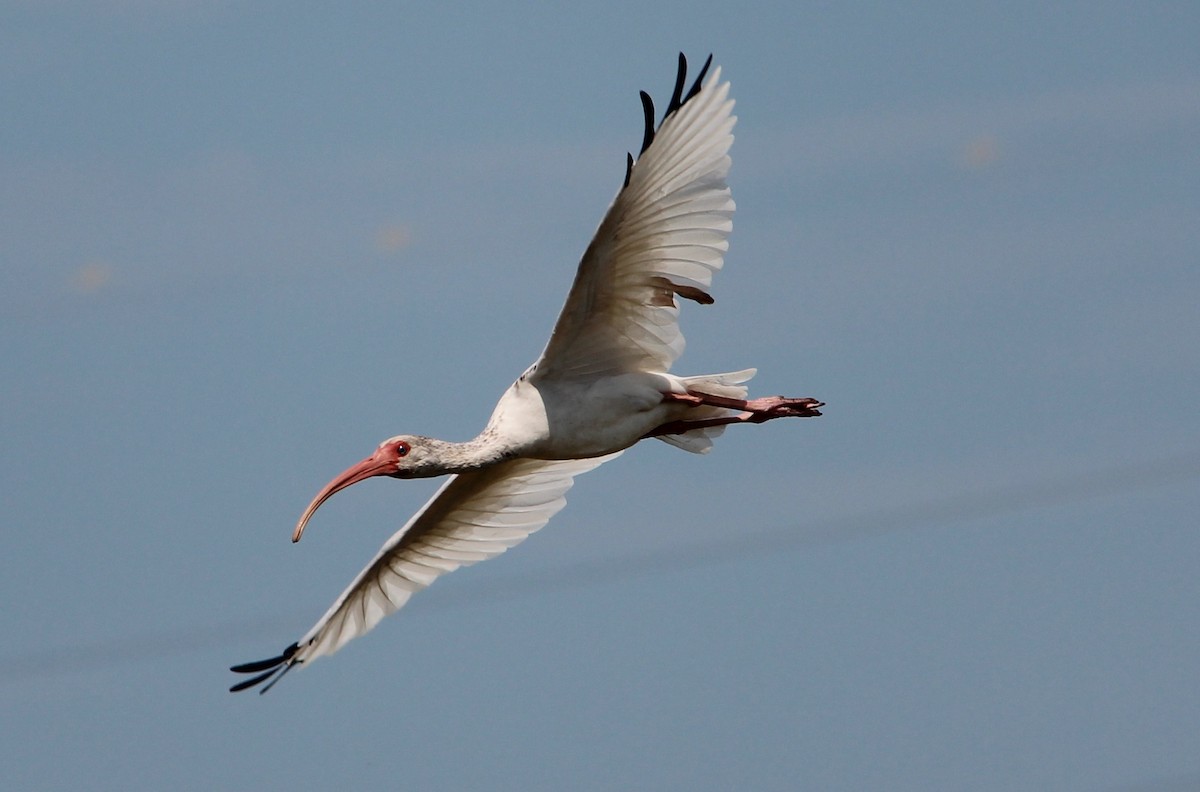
402 449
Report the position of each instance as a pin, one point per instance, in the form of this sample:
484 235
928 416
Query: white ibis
601 385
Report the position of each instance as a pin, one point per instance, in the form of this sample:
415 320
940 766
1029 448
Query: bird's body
602 384
576 419
613 413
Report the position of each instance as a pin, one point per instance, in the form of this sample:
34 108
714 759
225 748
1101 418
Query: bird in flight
602 383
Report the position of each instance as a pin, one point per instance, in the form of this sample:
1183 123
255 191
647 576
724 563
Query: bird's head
403 456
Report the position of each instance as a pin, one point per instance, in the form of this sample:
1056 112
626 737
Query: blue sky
244 242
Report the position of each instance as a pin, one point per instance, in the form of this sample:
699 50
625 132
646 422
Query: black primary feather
695 89
271 667
648 112
677 94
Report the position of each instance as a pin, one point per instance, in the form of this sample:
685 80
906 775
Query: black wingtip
271 667
648 112
677 94
699 83
678 100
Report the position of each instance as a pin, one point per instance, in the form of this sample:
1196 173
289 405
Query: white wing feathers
664 235
472 517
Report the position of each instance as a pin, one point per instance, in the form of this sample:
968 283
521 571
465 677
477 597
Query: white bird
601 385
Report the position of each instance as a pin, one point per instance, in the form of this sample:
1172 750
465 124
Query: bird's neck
482 452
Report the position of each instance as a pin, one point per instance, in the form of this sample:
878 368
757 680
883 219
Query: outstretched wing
664 236
472 517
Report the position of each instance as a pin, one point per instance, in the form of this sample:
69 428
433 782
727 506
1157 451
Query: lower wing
473 517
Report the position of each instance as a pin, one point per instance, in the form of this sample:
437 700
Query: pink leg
752 411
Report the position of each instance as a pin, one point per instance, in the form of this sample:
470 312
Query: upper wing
664 235
472 517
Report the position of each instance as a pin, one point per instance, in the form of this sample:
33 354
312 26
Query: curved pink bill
374 465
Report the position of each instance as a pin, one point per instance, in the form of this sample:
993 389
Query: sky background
244 242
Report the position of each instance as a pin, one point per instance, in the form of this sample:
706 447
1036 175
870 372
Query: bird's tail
729 385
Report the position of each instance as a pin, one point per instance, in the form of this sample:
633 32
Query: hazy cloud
980 152
91 277
392 238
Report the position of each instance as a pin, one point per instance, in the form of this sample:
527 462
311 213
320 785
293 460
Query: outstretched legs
751 411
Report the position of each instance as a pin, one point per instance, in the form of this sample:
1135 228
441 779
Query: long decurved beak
375 465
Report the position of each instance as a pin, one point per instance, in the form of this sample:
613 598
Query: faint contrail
955 508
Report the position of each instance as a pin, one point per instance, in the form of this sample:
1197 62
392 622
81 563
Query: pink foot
769 407
752 411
